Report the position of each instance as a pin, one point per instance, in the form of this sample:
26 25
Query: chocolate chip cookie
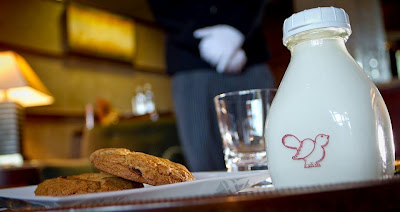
84 183
139 167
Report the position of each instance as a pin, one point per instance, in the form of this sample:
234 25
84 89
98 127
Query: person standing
212 47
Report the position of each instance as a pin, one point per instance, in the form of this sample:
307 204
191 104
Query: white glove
220 46
236 63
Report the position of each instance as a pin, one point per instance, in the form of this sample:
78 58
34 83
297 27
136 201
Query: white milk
325 93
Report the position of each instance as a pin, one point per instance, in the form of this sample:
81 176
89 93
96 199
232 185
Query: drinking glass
241 119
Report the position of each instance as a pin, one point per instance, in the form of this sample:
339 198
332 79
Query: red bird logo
311 151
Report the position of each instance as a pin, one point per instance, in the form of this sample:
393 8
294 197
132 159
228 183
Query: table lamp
19 87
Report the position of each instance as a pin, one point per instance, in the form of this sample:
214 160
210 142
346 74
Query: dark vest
180 18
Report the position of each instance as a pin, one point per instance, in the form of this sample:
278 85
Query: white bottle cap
320 17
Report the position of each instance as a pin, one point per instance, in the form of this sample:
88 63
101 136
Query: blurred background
102 62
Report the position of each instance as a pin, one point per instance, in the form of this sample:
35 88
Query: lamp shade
19 83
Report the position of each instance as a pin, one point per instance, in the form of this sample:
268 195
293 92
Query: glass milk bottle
328 122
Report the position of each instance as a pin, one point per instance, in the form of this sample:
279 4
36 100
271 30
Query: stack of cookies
121 169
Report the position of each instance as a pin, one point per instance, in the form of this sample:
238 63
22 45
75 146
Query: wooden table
13 176
382 195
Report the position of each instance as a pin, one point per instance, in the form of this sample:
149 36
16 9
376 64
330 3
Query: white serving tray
206 183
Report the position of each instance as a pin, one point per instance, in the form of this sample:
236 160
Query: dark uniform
195 82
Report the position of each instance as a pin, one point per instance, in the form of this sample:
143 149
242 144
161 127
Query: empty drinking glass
241 118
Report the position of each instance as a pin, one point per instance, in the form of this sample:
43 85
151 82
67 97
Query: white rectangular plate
206 183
